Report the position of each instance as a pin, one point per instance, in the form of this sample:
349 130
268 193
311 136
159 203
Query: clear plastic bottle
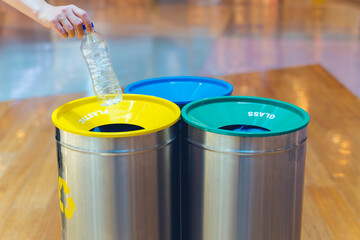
105 83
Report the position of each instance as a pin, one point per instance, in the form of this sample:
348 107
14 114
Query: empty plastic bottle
105 83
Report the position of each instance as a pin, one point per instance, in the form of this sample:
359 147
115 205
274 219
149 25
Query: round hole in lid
116 127
244 128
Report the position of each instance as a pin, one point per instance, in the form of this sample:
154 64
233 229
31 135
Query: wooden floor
29 204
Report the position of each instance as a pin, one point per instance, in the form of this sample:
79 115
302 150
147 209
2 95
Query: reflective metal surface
119 188
236 188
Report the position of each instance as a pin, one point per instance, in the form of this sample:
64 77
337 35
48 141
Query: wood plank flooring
28 167
29 202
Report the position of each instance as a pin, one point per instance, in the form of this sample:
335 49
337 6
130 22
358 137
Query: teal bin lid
245 116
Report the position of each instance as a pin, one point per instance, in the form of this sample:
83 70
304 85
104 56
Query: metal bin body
239 185
120 185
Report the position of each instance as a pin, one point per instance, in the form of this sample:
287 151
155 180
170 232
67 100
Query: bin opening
116 127
244 128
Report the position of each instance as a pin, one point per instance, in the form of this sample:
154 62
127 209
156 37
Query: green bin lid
245 116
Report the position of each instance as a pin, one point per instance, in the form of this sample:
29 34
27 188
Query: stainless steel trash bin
119 169
243 175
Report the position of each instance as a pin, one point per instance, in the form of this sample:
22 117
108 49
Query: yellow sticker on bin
69 210
150 113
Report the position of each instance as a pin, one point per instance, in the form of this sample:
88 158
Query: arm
64 19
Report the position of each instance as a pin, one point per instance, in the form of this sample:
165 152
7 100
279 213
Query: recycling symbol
69 211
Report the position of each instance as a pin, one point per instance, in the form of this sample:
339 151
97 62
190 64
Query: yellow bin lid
147 113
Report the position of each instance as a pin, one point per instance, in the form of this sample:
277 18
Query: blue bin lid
181 89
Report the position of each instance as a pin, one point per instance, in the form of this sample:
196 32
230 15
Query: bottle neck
88 33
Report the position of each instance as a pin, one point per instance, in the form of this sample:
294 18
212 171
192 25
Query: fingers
68 27
77 24
68 21
84 17
59 28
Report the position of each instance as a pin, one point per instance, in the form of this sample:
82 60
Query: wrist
40 7
40 13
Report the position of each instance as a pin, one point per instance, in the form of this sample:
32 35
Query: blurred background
153 38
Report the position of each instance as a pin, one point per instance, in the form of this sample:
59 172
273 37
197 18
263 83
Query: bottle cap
84 27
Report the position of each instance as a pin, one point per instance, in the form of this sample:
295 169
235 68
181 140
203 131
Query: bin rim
249 99
155 100
226 85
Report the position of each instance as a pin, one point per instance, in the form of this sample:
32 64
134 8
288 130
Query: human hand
66 20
